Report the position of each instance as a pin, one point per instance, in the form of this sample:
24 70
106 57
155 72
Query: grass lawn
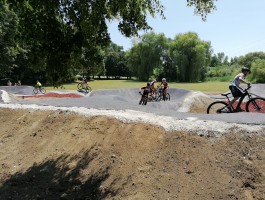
207 87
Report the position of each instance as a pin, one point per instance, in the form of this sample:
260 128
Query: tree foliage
191 56
8 45
115 62
60 37
202 7
247 59
258 71
144 57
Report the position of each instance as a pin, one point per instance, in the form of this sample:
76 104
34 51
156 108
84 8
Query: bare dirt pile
61 155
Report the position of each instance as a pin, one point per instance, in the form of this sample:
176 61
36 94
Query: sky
236 28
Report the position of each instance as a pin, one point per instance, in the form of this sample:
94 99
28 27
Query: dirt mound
195 102
61 155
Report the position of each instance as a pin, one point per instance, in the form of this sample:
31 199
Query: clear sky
236 28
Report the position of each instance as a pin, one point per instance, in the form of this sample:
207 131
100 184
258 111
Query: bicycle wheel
42 90
88 89
167 98
256 105
218 107
159 97
35 90
145 99
80 86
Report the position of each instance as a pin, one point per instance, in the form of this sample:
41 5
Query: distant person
19 83
9 83
152 84
38 84
164 83
236 90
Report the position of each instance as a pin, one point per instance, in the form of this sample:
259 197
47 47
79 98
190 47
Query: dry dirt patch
56 154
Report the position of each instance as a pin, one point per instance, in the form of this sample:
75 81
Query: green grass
207 87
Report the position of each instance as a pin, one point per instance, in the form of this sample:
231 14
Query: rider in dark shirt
147 90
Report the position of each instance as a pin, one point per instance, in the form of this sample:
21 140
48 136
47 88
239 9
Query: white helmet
163 79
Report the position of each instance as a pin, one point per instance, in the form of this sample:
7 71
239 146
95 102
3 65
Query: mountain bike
159 95
144 99
37 90
84 86
253 104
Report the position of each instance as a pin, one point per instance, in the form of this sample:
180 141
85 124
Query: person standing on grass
236 90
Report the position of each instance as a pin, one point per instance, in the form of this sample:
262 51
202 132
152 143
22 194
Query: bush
257 72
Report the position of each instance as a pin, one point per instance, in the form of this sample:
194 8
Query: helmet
163 79
148 84
154 80
245 69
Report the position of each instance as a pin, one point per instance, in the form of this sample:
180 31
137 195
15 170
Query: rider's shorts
235 91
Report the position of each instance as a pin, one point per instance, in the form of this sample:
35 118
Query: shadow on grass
53 179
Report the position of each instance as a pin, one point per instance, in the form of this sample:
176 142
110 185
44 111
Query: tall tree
191 56
144 57
8 46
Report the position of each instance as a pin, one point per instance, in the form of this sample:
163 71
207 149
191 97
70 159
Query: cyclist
147 91
152 84
165 87
236 90
38 85
84 83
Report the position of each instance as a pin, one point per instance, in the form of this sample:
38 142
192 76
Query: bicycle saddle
226 94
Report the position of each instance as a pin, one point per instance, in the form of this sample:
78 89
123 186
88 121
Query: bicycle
84 86
144 99
158 95
37 90
253 104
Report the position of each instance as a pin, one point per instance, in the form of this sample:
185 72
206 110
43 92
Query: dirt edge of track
60 154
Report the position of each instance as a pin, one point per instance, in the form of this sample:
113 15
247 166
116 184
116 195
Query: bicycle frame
246 93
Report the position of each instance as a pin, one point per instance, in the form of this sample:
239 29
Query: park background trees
56 40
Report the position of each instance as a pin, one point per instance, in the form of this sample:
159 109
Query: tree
258 71
191 56
55 33
219 59
144 57
202 7
249 58
8 46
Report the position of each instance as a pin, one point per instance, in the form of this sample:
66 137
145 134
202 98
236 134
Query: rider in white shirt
236 90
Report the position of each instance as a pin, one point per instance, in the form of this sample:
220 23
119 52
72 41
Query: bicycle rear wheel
218 107
80 86
35 90
256 105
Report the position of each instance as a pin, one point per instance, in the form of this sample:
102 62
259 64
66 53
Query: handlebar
249 86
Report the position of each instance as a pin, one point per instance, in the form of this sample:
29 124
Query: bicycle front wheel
88 89
256 105
218 107
167 97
